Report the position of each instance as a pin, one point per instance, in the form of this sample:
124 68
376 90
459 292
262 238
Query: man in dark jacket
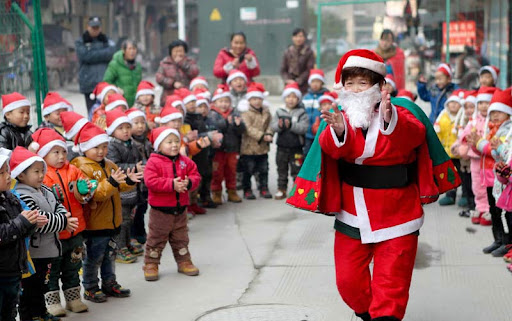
94 51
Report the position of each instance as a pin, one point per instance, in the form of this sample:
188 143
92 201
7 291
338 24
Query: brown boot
233 196
150 271
188 268
217 197
281 194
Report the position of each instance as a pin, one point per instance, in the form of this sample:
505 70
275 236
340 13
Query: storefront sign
462 33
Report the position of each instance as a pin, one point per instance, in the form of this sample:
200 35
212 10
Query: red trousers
387 293
224 168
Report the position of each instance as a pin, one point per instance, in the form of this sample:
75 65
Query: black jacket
292 137
144 147
12 135
232 134
125 155
14 228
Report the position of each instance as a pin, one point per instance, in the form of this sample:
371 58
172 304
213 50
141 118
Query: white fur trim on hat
189 98
93 142
76 128
288 91
447 68
452 98
144 92
26 164
16 104
483 97
326 97
48 147
114 104
373 65
203 101
236 75
391 82
491 70
168 118
198 82
60 105
497 106
116 123
254 94
105 91
163 135
135 114
315 76
225 94
470 99
5 155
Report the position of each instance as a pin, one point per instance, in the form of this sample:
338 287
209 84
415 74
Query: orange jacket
66 178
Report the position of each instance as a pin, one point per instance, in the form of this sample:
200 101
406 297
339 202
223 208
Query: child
390 85
103 214
488 76
228 121
145 102
290 124
15 130
15 225
316 83
237 82
53 106
63 179
123 153
199 83
72 124
326 103
101 92
256 143
114 101
438 94
404 93
29 170
169 177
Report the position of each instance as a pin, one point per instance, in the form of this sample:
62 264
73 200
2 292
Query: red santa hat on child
185 94
167 114
501 101
159 134
199 80
134 112
72 123
203 96
445 69
235 73
44 139
145 88
89 137
362 58
5 155
256 90
404 93
116 118
485 94
328 97
456 96
21 159
493 70
114 101
316 74
291 88
470 96
222 91
101 89
53 101
390 79
13 101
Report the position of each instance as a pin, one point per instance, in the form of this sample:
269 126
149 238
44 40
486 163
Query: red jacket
159 174
397 63
225 57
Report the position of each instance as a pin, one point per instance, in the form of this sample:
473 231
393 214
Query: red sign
462 33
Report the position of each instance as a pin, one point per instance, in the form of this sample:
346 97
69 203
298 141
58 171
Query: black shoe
116 290
95 295
248 195
465 213
500 251
50 317
495 245
208 203
364 316
264 193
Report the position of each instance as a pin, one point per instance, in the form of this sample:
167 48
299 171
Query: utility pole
181 20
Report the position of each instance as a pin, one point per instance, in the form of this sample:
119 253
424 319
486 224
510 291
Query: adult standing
237 56
124 72
176 70
298 60
94 51
393 56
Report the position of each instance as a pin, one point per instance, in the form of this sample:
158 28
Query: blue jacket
312 107
436 96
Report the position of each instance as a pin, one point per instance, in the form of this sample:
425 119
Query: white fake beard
360 106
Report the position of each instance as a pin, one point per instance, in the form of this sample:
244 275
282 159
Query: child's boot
135 249
508 257
115 289
217 197
485 219
233 196
463 202
447 200
248 195
125 256
73 301
95 295
264 193
475 217
150 271
281 194
188 268
53 304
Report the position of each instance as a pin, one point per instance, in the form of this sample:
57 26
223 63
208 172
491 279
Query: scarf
224 114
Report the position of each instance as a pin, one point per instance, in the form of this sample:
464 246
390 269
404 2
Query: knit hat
199 80
101 89
114 101
53 101
21 159
362 58
493 70
292 88
167 114
115 118
13 101
485 94
445 69
145 88
159 134
329 96
133 113
501 101
256 90
456 96
404 93
235 73
221 92
390 79
89 137
72 123
186 95
316 74
5 155
470 97
203 96
44 139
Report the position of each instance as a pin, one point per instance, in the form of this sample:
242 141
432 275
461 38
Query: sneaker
264 193
281 194
491 247
141 239
50 317
463 202
188 268
196 209
136 250
95 295
445 201
502 250
485 219
248 195
125 256
475 217
116 290
465 213
508 257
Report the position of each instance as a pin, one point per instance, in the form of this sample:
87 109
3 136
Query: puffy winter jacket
125 155
296 64
144 147
232 134
436 96
12 135
223 65
170 72
292 137
94 54
312 106
124 76
257 124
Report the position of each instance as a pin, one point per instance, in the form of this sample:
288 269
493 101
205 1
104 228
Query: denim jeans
101 255
9 296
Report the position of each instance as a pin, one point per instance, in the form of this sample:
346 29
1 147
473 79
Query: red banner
462 33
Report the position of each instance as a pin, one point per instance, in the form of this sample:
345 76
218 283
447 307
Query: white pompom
157 120
75 148
337 86
461 94
265 93
92 96
33 147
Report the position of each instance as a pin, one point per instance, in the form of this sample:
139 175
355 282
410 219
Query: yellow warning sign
215 15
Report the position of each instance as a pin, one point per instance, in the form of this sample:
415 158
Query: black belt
377 177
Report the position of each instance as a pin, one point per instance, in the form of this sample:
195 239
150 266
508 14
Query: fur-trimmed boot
73 300
53 303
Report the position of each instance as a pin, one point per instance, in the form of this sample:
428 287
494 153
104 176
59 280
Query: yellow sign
215 15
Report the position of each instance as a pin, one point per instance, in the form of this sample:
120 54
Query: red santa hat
485 94
116 118
456 96
89 137
145 88
390 79
101 89
133 113
167 114
445 69
222 91
72 123
53 101
174 101
5 155
470 96
292 88
235 73
493 70
362 58
44 139
114 101
186 95
256 90
501 101
13 101
159 134
403 93
328 97
316 74
21 159
203 96
199 80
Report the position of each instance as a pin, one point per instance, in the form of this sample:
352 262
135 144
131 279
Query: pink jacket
505 200
465 150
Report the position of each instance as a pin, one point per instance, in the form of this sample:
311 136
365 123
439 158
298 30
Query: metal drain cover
262 312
